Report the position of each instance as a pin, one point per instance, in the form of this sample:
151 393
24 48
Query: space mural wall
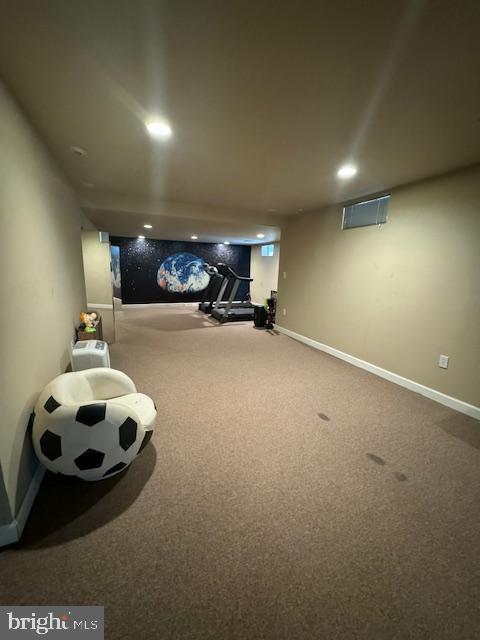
170 271
116 277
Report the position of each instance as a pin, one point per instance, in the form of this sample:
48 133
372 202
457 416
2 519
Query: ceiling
266 100
175 227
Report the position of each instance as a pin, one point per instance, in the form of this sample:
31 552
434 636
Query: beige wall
398 295
264 272
98 280
41 286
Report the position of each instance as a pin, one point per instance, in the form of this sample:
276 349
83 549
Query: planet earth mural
183 273
140 260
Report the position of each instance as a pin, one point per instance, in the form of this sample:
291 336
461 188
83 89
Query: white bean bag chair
91 423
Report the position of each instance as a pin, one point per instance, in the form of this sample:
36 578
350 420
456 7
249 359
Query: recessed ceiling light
78 151
141 237
194 237
226 242
260 235
347 171
147 226
159 129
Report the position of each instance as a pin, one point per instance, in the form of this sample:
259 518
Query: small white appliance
88 354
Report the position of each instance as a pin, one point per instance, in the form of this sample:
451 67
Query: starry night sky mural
116 278
170 271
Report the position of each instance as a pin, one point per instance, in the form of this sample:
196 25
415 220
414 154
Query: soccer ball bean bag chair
91 423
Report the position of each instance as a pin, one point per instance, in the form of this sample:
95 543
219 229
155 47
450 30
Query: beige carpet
285 495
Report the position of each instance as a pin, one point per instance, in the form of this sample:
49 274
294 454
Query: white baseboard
12 532
8 533
96 305
29 498
159 305
438 396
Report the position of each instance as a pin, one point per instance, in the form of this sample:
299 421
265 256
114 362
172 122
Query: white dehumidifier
87 354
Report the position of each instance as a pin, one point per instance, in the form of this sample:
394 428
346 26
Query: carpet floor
285 495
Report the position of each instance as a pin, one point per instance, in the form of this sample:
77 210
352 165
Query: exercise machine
220 282
232 311
210 294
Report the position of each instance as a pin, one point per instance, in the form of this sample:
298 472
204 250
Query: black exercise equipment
219 277
210 294
232 311
264 317
260 317
271 309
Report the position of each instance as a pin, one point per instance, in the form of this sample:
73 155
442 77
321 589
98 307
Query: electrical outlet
284 311
443 361
284 275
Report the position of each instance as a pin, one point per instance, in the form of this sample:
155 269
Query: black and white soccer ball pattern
92 441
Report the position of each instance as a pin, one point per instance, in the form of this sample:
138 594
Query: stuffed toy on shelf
88 322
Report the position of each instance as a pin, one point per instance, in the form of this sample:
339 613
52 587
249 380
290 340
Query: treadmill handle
244 279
